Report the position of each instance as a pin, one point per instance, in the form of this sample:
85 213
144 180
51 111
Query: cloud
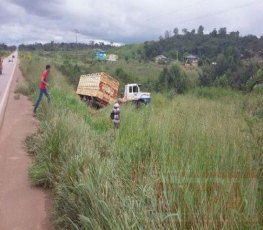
121 21
39 7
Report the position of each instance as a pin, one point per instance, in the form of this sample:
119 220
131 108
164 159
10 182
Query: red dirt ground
22 207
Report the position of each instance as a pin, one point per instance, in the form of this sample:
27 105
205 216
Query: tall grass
22 87
182 163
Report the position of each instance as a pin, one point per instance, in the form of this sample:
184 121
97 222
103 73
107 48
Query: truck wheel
140 104
89 102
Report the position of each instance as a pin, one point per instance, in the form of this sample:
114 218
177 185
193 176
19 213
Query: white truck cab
132 92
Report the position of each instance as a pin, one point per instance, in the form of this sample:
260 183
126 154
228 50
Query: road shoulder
22 206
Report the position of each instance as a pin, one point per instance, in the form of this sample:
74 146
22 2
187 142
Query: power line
76 31
189 6
222 11
212 13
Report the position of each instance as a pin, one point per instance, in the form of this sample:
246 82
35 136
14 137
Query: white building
112 57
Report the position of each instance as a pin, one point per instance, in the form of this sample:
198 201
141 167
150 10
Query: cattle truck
100 89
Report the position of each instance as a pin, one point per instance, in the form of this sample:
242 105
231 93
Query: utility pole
76 31
76 36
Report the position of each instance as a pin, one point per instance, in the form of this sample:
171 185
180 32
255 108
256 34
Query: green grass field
185 162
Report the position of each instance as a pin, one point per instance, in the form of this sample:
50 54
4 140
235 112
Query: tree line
205 46
53 46
4 47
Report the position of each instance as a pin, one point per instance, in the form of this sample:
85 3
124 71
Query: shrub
72 72
22 88
173 79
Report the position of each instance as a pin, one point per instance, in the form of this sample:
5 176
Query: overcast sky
121 21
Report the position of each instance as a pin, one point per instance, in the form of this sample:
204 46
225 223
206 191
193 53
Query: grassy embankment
4 53
184 162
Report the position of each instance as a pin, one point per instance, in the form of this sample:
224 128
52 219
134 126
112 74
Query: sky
121 21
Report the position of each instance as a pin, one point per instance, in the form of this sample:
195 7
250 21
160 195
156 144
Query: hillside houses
191 60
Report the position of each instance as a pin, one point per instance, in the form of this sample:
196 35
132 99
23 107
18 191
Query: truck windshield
135 89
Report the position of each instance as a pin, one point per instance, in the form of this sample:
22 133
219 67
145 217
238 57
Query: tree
206 77
173 79
123 78
192 31
126 57
234 34
152 49
200 30
185 31
167 34
222 31
214 33
176 31
258 79
91 43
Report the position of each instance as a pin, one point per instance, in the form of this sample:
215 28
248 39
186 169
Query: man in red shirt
43 87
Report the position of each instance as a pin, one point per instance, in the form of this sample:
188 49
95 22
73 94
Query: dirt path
22 207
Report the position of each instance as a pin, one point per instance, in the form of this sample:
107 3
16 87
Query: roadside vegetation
4 54
190 160
6 50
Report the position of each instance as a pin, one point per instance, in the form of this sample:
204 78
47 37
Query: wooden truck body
98 89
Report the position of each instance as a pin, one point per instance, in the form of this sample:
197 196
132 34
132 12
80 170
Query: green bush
173 79
72 71
22 88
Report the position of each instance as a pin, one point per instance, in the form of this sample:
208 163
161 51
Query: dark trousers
42 91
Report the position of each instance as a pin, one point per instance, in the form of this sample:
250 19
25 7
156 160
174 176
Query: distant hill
204 45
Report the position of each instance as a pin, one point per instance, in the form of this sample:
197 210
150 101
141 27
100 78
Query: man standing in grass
43 87
116 115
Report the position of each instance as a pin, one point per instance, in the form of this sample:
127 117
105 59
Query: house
161 59
112 57
191 59
101 55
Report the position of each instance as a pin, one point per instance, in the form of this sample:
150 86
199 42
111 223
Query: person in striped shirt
116 115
